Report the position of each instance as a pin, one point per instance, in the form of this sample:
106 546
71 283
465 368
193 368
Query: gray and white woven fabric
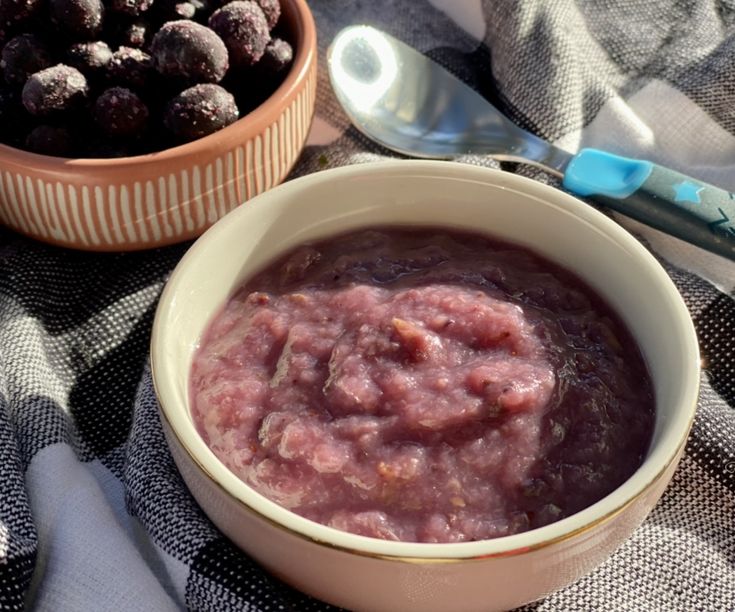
93 514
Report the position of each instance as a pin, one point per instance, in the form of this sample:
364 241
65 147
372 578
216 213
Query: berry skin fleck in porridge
424 386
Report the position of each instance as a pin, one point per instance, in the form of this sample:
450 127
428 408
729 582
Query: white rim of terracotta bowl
254 121
658 460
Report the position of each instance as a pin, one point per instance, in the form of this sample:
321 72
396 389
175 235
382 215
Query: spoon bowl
409 104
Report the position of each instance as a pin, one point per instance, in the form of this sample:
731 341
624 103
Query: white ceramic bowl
369 574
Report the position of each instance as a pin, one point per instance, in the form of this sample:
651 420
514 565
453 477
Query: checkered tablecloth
93 514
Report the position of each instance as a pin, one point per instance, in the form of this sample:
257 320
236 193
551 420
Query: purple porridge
424 386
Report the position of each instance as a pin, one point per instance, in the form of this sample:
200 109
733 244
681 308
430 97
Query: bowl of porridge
404 385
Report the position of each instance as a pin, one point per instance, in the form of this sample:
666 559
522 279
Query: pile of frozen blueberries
111 78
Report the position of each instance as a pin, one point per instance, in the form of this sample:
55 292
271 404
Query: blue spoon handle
674 203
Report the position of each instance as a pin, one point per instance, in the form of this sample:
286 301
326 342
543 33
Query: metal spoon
401 99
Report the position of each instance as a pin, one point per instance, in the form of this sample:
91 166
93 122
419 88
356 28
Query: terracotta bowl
173 195
363 573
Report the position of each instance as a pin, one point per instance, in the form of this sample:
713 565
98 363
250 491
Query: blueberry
78 19
136 34
22 56
130 67
244 29
190 52
50 140
90 58
184 10
175 10
16 12
202 9
277 57
120 112
55 90
272 11
200 110
134 8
